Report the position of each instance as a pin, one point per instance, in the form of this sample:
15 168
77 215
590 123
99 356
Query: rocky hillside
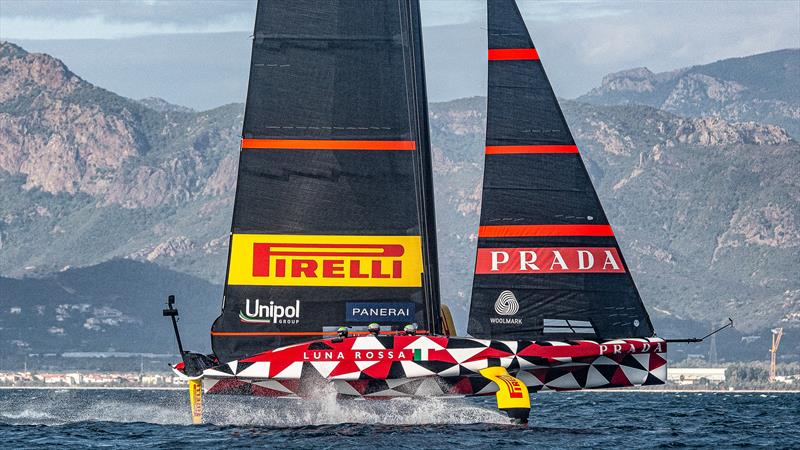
761 88
707 209
87 175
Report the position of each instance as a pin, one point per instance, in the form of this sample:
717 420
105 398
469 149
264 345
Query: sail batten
544 230
327 144
513 54
546 251
522 149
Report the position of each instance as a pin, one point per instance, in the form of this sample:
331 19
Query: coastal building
696 375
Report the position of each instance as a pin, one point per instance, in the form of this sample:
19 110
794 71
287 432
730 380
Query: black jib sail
333 218
548 264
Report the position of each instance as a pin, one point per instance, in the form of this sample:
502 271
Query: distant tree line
756 374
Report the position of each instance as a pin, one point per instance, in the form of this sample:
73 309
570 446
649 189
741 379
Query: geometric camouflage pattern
392 366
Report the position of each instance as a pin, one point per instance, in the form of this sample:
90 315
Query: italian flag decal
420 354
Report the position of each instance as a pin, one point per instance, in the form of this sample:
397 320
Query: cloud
570 10
580 41
454 12
121 11
579 51
79 19
451 12
99 27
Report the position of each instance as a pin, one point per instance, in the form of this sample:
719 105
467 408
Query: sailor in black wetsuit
410 330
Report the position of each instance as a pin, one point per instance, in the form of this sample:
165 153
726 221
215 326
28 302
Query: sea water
106 418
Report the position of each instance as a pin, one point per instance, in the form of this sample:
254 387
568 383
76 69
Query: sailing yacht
334 226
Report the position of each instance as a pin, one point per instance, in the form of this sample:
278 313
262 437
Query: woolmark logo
256 311
506 304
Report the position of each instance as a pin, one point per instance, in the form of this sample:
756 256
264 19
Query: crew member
374 328
410 330
341 334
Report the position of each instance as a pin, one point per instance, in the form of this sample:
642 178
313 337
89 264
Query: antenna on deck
173 313
695 340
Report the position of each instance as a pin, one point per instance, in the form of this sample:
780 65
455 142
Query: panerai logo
380 312
257 311
506 305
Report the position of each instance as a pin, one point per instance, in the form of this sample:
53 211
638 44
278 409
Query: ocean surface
104 418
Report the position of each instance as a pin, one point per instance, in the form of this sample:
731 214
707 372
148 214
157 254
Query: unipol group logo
506 304
548 260
257 311
359 261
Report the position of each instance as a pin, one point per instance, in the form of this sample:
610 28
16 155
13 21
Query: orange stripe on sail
510 54
520 149
544 230
326 144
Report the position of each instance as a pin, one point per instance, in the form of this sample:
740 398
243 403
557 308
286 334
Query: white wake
171 408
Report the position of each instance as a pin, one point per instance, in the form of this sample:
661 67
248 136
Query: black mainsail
333 219
548 264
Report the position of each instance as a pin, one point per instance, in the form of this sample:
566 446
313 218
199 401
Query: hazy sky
196 52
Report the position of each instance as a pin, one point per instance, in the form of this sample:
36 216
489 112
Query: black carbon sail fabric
548 264
332 217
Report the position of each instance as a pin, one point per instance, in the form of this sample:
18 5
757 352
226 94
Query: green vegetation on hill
114 306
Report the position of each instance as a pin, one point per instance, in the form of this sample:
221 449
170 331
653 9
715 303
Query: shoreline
96 388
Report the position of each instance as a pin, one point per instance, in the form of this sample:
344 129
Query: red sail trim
326 144
304 333
511 54
520 149
544 230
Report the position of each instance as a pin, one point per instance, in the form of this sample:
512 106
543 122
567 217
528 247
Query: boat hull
424 366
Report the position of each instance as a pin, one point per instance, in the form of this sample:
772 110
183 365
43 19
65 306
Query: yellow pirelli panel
303 260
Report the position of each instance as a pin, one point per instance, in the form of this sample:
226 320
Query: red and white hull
396 366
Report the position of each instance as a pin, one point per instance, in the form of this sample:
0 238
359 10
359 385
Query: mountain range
760 88
107 204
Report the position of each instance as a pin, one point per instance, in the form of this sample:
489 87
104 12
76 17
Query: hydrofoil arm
512 394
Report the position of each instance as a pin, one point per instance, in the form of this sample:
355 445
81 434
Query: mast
425 173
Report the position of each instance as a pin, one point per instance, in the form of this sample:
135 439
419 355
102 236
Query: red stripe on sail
520 149
544 230
511 54
326 144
